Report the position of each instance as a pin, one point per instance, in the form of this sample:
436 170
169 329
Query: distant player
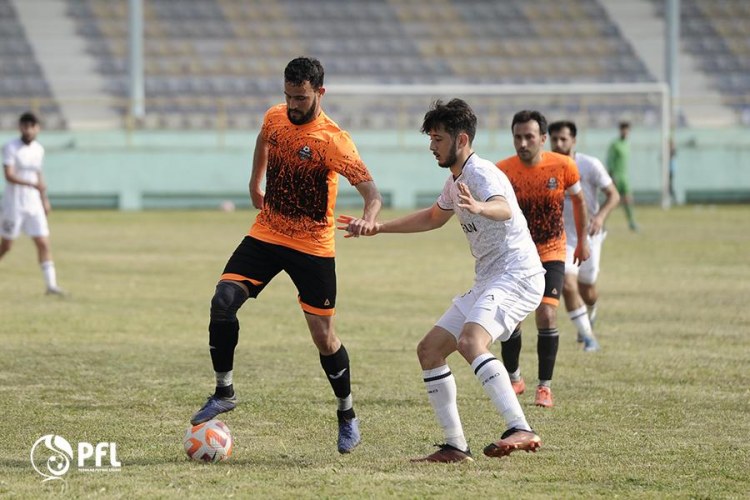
301 153
580 282
507 287
618 158
25 202
541 179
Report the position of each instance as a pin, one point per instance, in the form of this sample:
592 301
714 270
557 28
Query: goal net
596 109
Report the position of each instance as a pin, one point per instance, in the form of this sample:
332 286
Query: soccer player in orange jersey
541 179
301 152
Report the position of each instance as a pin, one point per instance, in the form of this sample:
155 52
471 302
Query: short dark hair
561 124
28 117
455 117
527 116
624 124
304 69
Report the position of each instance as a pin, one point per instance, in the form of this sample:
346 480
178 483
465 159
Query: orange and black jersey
541 195
304 162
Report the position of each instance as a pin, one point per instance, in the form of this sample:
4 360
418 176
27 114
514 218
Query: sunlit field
662 411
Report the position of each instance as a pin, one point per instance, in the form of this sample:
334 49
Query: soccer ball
210 441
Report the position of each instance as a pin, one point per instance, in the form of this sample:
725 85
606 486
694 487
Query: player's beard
526 155
301 119
452 157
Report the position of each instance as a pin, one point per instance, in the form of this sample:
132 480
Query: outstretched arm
260 162
373 202
416 222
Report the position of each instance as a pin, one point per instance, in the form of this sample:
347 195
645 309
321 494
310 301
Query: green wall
189 169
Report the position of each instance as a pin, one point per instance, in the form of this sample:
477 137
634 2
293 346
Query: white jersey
499 247
593 178
26 160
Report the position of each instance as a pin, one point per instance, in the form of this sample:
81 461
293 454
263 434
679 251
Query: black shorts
255 263
554 279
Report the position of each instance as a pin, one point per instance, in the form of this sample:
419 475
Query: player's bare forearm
372 199
611 201
579 215
366 225
582 252
496 208
260 163
11 177
417 222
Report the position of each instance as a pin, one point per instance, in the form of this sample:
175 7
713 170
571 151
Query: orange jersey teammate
303 166
300 152
541 179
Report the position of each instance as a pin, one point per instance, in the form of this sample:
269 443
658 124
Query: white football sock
223 379
496 383
592 313
580 319
441 389
345 403
50 277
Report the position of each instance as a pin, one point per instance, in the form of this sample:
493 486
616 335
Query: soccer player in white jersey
25 204
579 289
509 282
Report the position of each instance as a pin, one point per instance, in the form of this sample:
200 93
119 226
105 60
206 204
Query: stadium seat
210 49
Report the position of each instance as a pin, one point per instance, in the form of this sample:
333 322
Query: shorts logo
327 303
305 153
552 183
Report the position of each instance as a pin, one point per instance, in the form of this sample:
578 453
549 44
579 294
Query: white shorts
498 307
589 270
33 224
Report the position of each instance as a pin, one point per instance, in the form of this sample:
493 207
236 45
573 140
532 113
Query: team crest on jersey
305 153
552 183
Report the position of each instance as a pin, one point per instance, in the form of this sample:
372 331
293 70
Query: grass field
663 411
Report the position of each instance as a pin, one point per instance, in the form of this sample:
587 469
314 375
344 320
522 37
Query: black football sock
225 391
336 367
223 337
511 351
546 348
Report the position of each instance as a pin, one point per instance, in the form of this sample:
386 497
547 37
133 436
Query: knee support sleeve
227 300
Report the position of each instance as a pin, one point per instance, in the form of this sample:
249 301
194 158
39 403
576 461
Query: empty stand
717 33
225 58
23 86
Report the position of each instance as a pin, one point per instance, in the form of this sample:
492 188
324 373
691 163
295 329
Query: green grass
662 411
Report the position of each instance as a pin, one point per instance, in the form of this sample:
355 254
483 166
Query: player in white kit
509 282
579 289
25 204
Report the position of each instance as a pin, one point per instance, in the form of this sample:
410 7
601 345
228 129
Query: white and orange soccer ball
210 441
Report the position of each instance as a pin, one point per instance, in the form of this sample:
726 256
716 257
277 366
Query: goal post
498 100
